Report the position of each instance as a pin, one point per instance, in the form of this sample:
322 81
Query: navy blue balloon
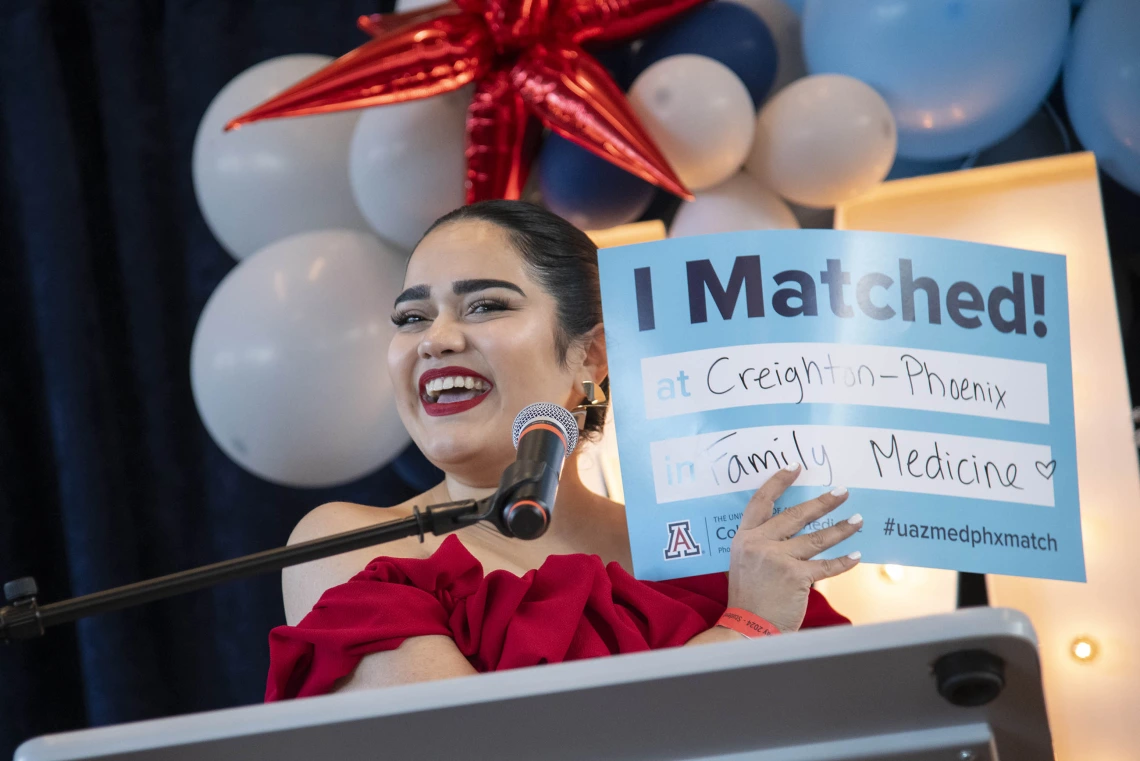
589 191
724 31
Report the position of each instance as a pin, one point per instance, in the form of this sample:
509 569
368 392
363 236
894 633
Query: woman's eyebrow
463 287
415 293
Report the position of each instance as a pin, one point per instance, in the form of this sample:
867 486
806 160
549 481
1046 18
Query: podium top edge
947 632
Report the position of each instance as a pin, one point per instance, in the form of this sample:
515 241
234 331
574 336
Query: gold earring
595 398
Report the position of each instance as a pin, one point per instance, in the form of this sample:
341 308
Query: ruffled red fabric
571 608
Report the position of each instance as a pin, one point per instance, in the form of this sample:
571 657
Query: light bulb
892 572
1084 649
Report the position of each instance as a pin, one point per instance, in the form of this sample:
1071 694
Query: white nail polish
855 519
855 555
839 491
792 467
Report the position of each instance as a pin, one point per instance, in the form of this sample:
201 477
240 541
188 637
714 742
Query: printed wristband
748 624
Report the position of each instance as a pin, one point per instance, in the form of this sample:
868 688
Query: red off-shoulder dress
573 607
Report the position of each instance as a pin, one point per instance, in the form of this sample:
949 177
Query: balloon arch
759 114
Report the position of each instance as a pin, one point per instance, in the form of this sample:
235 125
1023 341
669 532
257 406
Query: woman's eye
400 319
485 306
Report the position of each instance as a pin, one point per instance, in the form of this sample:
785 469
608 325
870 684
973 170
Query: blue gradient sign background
1019 514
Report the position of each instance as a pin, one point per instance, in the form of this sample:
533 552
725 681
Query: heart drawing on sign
1046 468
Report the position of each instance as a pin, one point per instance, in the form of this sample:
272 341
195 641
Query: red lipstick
438 409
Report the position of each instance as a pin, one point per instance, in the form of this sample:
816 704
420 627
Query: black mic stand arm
23 618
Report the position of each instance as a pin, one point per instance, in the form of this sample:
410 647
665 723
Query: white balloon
700 115
289 361
823 139
408 166
271 179
739 203
784 24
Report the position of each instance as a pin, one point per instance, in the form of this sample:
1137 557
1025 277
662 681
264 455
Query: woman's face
474 344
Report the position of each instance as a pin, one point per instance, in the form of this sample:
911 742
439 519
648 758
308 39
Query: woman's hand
770 570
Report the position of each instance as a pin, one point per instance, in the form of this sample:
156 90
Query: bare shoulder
302 585
338 517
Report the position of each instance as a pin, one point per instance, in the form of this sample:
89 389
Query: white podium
844 693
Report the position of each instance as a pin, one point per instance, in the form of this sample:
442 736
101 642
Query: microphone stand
23 618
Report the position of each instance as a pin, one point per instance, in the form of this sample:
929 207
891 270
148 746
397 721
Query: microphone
544 435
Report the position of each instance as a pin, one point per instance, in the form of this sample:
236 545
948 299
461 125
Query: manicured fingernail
839 491
855 519
855 555
792 467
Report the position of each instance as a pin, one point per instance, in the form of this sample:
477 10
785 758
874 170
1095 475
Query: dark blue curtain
106 473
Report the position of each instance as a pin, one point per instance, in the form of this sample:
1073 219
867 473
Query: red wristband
748 624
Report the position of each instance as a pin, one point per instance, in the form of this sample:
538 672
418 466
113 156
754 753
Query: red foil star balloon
527 62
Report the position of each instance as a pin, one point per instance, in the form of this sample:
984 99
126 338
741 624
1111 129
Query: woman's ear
596 362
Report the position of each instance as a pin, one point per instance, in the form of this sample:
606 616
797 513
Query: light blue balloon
1042 135
1102 86
959 75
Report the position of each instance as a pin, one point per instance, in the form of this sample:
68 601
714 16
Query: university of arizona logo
681 541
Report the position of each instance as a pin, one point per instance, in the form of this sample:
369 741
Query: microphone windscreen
550 413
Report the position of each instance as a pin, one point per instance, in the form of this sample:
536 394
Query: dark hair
561 258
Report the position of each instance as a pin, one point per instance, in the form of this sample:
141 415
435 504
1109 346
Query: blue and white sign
930 377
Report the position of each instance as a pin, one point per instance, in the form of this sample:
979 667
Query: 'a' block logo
681 542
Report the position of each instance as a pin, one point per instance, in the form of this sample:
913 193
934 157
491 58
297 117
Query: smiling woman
501 309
